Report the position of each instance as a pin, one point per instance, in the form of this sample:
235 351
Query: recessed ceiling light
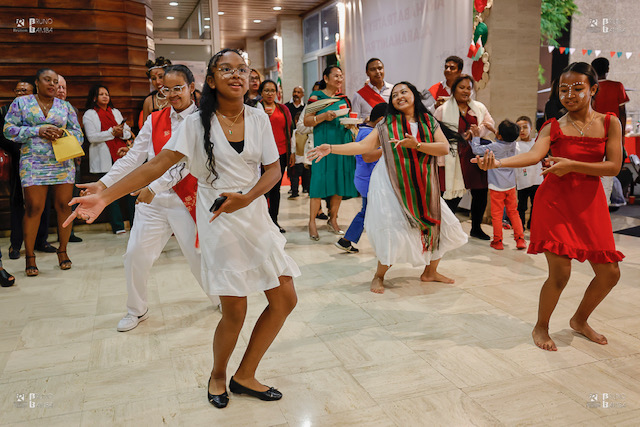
206 27
173 3
170 17
207 19
277 8
257 21
220 13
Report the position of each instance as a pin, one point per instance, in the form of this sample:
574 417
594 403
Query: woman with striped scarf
406 220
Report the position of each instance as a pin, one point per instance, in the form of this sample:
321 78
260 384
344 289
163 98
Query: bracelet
500 161
330 148
418 145
315 120
151 190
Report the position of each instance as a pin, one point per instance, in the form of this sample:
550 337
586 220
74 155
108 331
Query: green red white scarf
414 176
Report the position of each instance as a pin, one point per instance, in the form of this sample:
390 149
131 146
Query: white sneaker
130 321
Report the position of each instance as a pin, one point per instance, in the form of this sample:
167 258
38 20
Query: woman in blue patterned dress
35 121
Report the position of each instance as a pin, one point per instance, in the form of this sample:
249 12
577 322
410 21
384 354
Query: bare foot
251 383
376 285
436 277
586 330
217 385
542 339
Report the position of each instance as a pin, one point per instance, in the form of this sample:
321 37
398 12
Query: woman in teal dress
35 121
333 175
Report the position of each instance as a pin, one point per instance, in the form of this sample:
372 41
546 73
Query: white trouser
154 223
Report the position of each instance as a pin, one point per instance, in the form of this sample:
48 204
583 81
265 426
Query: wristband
315 120
151 190
418 145
500 161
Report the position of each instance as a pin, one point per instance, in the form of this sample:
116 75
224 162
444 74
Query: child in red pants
502 182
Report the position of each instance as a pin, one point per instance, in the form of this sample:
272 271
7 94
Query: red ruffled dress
571 217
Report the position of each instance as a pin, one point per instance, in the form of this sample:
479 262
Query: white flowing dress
242 252
389 231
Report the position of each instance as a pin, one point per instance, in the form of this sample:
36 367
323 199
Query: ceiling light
207 19
206 27
277 8
220 13
170 17
257 21
173 3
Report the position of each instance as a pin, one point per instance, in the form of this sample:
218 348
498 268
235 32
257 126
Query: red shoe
506 225
521 244
497 244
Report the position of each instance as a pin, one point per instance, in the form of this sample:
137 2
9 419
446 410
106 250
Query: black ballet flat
269 395
218 400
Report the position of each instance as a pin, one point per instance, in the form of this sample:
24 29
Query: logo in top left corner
19 22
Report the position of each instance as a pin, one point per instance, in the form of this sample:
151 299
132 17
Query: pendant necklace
44 106
584 128
237 116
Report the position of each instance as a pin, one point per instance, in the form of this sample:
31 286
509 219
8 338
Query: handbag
301 141
67 147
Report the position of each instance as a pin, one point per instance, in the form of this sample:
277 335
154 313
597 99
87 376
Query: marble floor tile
529 401
400 377
47 361
163 411
449 408
357 348
419 354
56 330
470 365
586 384
127 383
319 393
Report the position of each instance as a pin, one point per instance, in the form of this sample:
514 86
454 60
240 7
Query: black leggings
273 196
478 206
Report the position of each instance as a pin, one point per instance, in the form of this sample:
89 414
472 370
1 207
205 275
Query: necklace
583 128
237 116
161 98
43 106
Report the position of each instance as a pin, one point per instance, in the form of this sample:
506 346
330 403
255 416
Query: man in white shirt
374 91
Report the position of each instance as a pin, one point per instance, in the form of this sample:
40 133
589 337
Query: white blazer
99 156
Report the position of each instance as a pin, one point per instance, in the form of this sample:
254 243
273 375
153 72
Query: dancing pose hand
234 202
88 209
409 141
319 152
488 161
91 188
557 165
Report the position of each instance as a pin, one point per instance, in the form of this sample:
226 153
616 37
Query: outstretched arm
369 143
535 155
89 207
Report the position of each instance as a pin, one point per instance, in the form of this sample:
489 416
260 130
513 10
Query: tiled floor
421 354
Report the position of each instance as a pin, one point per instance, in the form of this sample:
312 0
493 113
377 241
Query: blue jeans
357 225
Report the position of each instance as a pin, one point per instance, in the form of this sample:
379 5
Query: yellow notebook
67 147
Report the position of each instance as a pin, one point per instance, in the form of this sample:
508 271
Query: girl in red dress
572 220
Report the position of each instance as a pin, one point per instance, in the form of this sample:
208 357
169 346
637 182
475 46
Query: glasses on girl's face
174 90
269 91
228 71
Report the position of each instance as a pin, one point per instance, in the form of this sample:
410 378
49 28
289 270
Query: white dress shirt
362 107
143 150
99 155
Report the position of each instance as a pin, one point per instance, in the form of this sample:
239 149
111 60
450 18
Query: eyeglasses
228 72
269 91
174 90
21 91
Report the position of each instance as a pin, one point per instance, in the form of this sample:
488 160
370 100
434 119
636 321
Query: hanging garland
477 52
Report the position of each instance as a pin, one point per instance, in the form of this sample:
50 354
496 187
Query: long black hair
208 107
326 73
93 96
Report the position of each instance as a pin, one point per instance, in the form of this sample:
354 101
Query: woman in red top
281 125
571 220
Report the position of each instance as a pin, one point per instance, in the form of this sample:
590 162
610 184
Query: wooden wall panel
93 41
